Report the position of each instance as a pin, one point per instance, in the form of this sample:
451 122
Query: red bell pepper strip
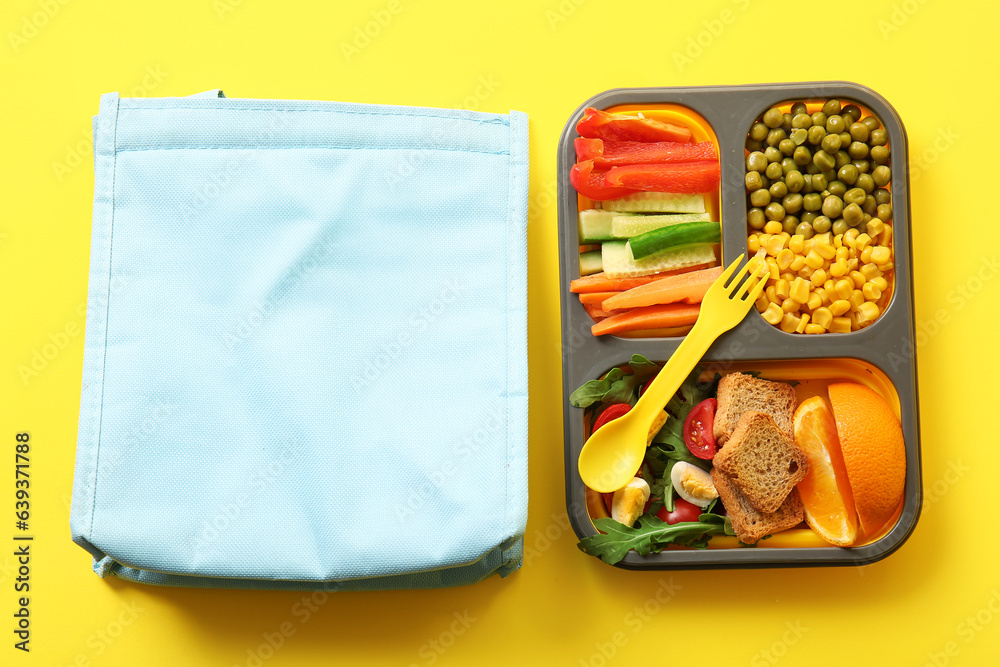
617 153
597 124
590 183
681 177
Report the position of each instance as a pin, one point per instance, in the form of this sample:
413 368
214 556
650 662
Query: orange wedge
825 491
871 441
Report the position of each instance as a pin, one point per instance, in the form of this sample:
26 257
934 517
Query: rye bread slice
739 392
764 461
749 524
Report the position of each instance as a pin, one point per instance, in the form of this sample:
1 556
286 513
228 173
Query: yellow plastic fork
614 452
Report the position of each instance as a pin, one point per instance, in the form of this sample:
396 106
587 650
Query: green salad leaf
616 386
651 536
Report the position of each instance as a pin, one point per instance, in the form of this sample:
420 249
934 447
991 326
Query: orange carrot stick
648 317
688 287
597 314
599 282
596 298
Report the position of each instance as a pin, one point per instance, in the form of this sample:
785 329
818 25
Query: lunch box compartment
881 356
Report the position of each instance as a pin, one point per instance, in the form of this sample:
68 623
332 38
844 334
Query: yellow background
935 62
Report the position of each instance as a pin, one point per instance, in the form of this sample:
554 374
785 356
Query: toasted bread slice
739 392
764 461
750 524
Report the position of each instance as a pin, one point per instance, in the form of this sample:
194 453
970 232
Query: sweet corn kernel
840 325
797 263
885 268
866 255
803 321
843 253
886 237
828 285
773 314
814 329
852 264
875 227
754 263
870 271
881 255
823 295
782 289
807 245
850 236
772 227
771 293
785 258
762 239
818 277
862 241
789 322
799 290
858 278
774 245
772 267
790 306
871 292
815 301
843 288
823 317
839 268
825 250
804 273
753 243
761 303
880 282
826 238
856 299
867 313
795 244
838 241
853 317
839 307
813 259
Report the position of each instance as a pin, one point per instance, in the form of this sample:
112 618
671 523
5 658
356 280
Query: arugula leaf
651 536
593 391
616 386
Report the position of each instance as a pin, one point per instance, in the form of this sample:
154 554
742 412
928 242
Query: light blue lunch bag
305 361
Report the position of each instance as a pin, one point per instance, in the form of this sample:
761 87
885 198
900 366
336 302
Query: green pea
845 139
870 206
879 137
879 154
799 136
840 158
778 190
815 134
774 171
805 229
756 161
760 198
772 154
819 118
752 145
787 146
831 143
865 220
775 137
848 174
822 224
832 206
788 164
854 196
758 131
839 226
788 224
798 108
831 107
853 215
881 175
802 156
862 165
794 180
853 111
792 202
812 201
809 216
883 196
884 212
773 118
835 124
859 131
786 122
811 168
807 184
802 120
753 181
756 218
837 188
871 122
857 150
824 160
819 182
774 211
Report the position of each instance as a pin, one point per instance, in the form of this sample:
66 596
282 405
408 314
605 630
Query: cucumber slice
618 262
595 226
657 202
685 233
627 226
591 262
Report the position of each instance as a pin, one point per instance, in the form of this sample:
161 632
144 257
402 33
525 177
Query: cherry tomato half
613 411
683 511
698 434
